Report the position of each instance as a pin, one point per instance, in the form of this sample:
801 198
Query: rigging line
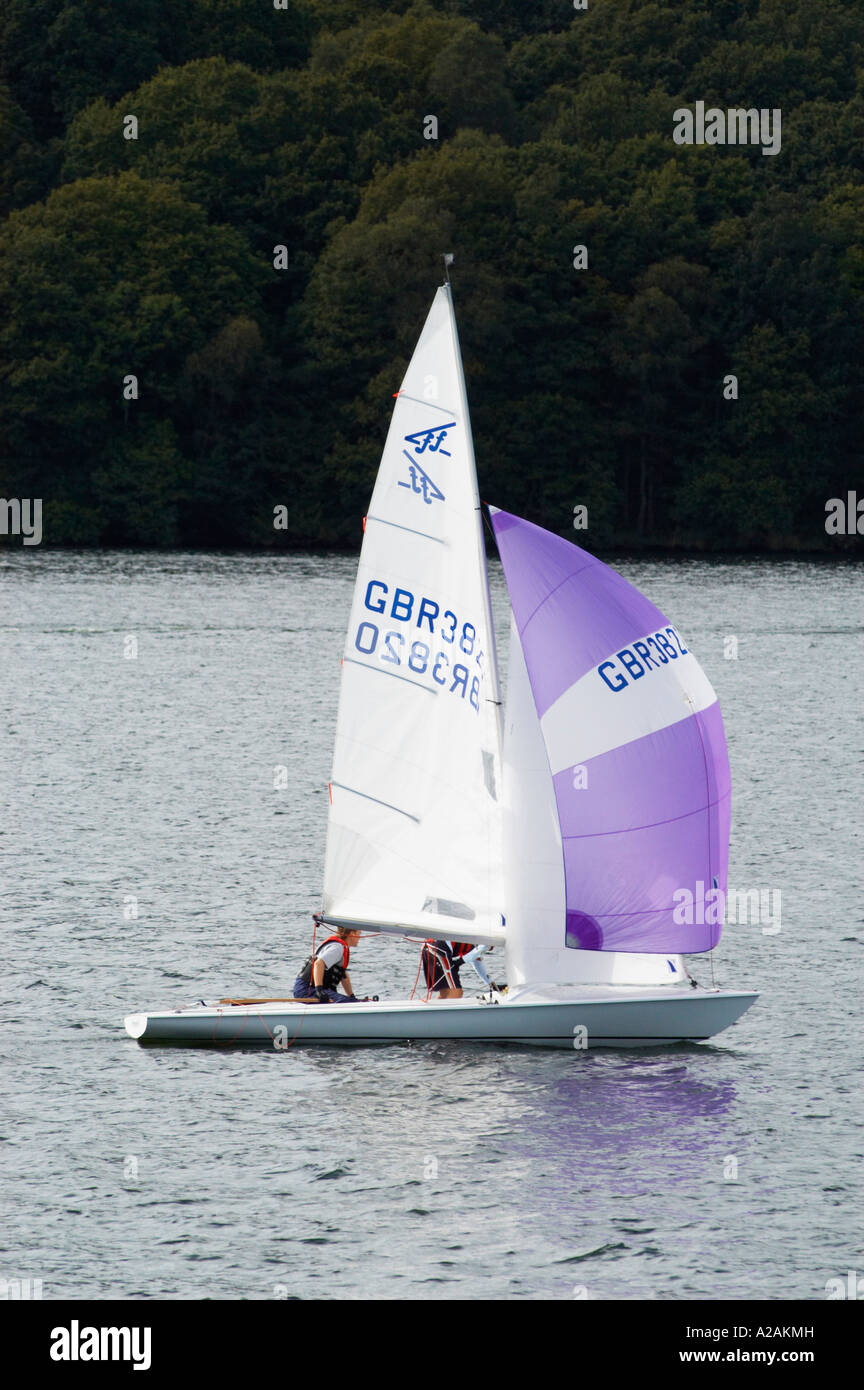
417 976
227 1041
483 509
272 1036
428 994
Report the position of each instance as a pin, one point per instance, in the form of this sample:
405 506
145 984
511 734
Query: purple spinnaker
636 747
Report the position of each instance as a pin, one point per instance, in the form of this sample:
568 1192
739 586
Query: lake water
145 784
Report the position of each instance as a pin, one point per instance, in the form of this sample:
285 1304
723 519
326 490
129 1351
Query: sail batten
376 670
439 540
428 405
386 804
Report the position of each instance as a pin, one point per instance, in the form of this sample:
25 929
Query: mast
495 682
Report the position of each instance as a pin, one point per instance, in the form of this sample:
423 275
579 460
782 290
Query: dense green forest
266 379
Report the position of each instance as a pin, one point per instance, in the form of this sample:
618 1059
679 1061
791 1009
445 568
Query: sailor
327 969
442 962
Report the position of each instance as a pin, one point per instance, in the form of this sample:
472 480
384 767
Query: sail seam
546 597
428 404
631 829
637 738
653 951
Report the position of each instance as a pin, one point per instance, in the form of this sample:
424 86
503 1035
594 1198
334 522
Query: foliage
304 127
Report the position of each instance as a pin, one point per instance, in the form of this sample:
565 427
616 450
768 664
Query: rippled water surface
424 1171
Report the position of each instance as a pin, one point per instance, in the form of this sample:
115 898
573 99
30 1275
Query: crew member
327 969
442 962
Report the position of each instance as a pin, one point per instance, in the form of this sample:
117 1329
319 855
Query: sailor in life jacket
442 962
326 969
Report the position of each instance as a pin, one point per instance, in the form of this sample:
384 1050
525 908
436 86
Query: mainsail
414 835
635 749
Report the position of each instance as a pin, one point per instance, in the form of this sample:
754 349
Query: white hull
610 1016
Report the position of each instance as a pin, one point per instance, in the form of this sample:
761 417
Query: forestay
414 835
635 746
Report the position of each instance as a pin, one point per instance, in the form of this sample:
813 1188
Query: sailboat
575 829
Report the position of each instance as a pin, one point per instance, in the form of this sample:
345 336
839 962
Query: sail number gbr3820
449 656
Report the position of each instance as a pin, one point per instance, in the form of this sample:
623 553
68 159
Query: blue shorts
304 991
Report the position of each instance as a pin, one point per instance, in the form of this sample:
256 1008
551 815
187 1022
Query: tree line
608 386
